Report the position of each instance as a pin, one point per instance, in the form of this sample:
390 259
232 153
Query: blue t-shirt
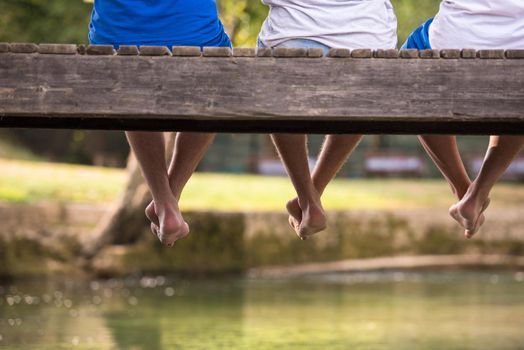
157 22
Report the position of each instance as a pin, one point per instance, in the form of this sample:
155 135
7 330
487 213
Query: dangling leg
149 149
293 152
335 151
501 152
444 152
189 149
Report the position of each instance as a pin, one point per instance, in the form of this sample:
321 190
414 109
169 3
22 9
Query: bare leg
501 152
188 151
444 152
335 151
149 149
293 151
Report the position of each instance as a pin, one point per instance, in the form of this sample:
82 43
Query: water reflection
452 310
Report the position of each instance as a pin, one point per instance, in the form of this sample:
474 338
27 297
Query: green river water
397 310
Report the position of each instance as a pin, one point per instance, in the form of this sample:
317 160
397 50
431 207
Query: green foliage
242 20
57 21
411 14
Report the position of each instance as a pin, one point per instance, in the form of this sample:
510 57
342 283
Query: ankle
462 190
306 202
475 195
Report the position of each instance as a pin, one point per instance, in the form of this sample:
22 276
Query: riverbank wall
46 239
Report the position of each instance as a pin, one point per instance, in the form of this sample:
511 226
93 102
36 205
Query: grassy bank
29 182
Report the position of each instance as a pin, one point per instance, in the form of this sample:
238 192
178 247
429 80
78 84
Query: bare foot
171 226
295 214
151 214
470 233
313 219
469 214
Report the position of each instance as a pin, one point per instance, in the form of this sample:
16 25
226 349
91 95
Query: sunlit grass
23 181
241 192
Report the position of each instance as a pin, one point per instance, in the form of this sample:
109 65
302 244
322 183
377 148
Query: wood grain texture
146 50
362 53
4 47
244 52
468 53
388 53
216 52
262 95
289 52
515 54
491 54
100 50
23 48
314 52
186 51
429 54
128 50
450 54
264 52
339 53
57 49
409 54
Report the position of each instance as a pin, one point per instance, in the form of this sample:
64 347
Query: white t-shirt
478 24
350 24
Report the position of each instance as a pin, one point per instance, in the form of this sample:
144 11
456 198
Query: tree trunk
126 222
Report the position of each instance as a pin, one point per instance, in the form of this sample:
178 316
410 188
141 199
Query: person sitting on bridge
162 23
481 24
322 24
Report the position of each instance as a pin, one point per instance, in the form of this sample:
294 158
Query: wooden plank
409 53
100 50
491 54
388 53
128 50
429 54
4 47
244 52
216 52
262 95
450 54
146 50
187 51
264 52
57 49
362 53
339 53
515 54
468 53
23 48
289 52
314 52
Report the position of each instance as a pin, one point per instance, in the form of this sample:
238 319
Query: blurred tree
242 20
57 21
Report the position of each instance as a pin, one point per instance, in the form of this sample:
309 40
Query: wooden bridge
248 90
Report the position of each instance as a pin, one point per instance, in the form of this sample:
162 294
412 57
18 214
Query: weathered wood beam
241 90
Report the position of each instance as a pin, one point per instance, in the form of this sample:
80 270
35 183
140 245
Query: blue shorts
419 39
